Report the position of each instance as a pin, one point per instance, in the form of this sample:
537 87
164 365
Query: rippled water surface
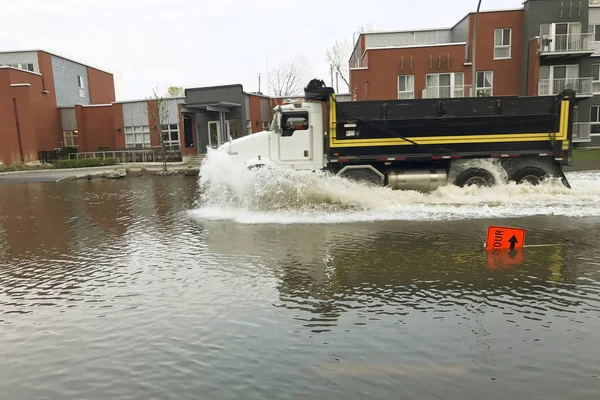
142 288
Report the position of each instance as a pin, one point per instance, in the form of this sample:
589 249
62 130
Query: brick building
49 102
33 84
541 49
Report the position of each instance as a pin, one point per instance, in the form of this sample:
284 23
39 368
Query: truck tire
364 176
475 177
531 175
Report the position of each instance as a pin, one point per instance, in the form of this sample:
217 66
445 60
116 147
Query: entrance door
214 134
188 132
295 141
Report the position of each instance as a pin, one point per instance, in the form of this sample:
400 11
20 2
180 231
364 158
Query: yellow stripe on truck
429 140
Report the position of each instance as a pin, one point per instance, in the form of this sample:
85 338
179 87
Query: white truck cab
295 139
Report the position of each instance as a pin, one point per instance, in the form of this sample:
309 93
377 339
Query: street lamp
474 77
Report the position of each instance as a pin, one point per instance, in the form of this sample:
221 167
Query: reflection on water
111 290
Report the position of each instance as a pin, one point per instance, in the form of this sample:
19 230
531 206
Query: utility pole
473 52
331 73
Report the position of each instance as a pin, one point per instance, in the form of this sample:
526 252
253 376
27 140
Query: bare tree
338 57
288 78
176 91
158 115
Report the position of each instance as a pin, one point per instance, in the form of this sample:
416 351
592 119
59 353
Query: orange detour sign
500 237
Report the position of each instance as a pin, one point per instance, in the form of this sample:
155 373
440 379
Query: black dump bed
466 127
480 126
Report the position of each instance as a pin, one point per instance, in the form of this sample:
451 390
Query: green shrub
86 162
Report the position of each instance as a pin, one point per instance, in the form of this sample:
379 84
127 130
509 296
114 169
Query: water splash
229 191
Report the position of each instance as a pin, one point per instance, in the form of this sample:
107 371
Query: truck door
295 140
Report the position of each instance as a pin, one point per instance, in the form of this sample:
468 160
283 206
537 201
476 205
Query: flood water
144 288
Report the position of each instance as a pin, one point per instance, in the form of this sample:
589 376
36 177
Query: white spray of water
229 191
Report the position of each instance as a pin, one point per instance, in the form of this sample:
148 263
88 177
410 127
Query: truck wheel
364 176
475 177
531 175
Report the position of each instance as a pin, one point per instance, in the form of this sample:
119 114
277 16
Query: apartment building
540 49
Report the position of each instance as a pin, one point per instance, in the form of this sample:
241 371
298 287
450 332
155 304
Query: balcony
582 132
446 92
570 45
583 87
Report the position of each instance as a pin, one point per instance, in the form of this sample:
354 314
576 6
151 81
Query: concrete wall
460 32
22 57
65 73
135 113
538 12
214 95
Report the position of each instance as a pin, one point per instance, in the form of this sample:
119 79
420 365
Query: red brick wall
45 64
380 80
117 118
533 68
101 86
507 73
184 150
255 114
49 124
96 129
27 97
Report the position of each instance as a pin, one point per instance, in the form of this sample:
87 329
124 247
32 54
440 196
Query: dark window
597 33
594 114
294 121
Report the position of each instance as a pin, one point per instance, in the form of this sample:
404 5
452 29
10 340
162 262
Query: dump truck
417 144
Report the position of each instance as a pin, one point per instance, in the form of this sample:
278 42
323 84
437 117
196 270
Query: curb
92 169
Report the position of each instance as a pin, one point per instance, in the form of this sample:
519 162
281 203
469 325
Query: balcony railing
569 43
444 92
582 86
582 132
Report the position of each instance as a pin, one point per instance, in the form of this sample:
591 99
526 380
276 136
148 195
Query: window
266 125
596 79
70 138
137 137
170 134
233 129
294 121
24 66
485 83
406 87
445 85
596 30
502 41
595 120
81 85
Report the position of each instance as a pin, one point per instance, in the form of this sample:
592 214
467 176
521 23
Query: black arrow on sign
513 241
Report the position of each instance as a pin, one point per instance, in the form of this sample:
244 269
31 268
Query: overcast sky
155 43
